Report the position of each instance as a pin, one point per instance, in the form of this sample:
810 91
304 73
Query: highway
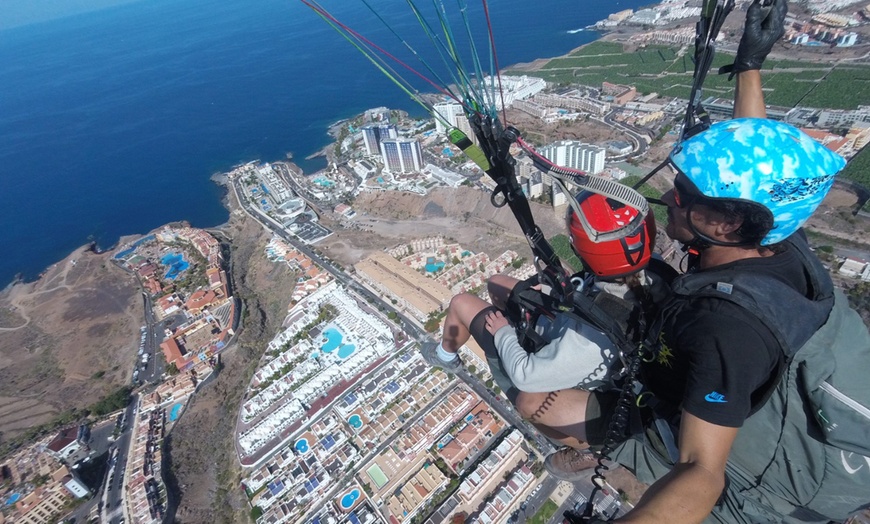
640 142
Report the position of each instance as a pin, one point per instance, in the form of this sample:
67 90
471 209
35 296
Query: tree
472 369
623 496
431 325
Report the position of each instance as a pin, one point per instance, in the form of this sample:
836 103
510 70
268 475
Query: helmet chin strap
701 241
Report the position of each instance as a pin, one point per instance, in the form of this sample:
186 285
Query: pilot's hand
764 26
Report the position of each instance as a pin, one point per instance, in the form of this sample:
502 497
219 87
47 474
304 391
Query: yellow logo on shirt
665 355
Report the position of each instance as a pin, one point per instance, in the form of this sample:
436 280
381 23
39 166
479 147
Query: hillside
463 214
66 340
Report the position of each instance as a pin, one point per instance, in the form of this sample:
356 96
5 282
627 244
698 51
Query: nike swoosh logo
715 397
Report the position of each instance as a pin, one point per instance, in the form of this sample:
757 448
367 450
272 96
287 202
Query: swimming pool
346 350
176 264
332 341
302 445
323 182
176 410
433 265
13 499
355 421
349 499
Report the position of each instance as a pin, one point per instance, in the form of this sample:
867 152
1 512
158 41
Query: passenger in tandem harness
560 349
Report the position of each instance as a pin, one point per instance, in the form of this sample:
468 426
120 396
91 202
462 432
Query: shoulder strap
774 303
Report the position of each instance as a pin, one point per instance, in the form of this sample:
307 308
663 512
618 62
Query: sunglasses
685 192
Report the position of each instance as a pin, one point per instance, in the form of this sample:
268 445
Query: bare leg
500 287
463 308
560 415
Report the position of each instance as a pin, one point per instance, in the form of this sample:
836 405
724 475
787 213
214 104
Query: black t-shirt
716 358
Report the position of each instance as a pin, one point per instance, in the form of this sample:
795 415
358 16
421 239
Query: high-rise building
577 155
401 155
373 134
449 111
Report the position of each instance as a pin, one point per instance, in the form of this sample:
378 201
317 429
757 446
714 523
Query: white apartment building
589 105
577 155
449 111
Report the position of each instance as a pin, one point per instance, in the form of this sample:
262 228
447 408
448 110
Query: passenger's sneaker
429 350
570 464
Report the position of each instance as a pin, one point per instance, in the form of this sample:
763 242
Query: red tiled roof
172 352
63 439
200 299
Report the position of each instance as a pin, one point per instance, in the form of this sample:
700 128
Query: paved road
409 326
115 486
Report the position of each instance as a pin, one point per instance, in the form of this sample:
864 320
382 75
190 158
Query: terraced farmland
668 71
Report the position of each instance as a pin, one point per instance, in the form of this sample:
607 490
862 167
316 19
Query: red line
369 42
495 58
544 160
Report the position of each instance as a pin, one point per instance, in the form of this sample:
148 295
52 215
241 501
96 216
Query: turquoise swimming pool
346 350
176 410
433 265
333 339
349 499
176 264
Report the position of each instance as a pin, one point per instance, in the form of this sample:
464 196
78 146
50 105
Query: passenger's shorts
599 409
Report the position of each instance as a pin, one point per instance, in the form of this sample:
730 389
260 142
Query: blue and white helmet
762 161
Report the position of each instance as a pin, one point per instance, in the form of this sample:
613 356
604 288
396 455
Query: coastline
214 134
219 177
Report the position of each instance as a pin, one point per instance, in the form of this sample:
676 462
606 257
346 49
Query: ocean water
112 122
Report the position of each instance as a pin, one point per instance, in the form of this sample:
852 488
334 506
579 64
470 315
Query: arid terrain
66 340
463 214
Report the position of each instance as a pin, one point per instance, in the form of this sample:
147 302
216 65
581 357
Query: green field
545 513
562 246
858 169
666 71
377 475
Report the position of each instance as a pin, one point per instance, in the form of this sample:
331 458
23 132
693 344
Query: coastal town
342 421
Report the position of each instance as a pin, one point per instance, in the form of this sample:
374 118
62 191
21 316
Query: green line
412 50
382 67
461 140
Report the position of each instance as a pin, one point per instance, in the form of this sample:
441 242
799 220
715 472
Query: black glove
764 26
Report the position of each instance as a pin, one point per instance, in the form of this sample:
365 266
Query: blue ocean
113 121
